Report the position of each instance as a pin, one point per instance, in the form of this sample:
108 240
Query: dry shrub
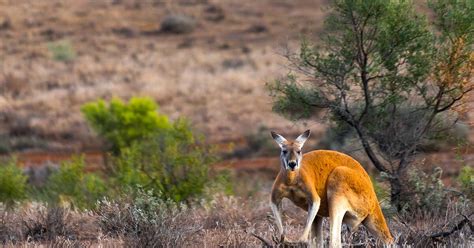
9 229
48 224
225 213
37 223
147 221
228 222
440 229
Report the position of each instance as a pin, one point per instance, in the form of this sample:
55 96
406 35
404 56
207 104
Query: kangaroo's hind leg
337 210
338 196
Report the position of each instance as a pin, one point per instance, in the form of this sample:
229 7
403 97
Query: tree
380 69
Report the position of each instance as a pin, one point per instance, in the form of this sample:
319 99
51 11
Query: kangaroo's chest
297 194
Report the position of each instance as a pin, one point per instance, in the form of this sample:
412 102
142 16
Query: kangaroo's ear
303 137
278 138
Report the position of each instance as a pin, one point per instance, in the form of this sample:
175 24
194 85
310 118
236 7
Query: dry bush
37 223
147 221
450 227
225 221
47 224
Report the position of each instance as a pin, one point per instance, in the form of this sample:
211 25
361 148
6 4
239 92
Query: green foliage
221 183
12 183
393 33
427 191
151 151
381 192
62 50
293 100
173 163
123 123
454 17
71 185
466 181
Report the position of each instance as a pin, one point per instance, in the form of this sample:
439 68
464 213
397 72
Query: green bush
71 185
466 181
427 191
123 123
173 163
151 151
62 50
12 183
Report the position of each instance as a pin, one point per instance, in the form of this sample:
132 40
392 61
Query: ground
214 76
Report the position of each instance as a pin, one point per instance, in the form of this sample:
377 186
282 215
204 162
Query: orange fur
338 183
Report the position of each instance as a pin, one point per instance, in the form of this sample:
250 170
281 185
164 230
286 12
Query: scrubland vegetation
152 194
387 85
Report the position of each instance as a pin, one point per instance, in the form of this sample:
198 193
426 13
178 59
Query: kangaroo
325 184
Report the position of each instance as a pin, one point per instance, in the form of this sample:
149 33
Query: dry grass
223 222
214 76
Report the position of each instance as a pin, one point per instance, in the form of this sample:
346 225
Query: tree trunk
396 192
399 193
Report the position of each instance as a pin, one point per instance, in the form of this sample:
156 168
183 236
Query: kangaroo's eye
285 152
299 152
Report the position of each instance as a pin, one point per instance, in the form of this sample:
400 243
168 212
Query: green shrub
123 123
381 192
466 181
173 163
221 183
427 191
62 50
71 185
12 183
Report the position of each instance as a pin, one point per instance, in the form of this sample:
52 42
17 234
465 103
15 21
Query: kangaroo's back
318 165
332 173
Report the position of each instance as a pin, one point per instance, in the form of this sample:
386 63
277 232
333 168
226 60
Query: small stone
178 24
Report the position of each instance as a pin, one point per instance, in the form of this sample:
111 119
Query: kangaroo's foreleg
275 205
312 211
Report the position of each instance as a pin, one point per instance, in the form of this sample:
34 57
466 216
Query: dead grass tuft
223 222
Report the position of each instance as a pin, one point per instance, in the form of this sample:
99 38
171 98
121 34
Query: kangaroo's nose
292 164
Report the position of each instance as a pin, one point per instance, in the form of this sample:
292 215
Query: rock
125 31
178 24
5 23
258 28
232 63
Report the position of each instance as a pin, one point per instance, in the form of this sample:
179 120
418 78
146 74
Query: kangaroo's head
291 154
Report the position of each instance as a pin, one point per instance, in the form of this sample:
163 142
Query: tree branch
453 101
456 228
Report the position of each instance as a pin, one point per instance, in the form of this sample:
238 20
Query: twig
456 228
265 242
